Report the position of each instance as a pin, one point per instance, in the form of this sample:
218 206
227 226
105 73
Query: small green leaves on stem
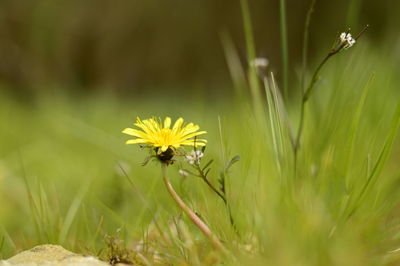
208 164
223 173
234 159
148 159
203 172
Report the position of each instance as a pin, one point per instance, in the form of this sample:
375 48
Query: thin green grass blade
46 215
380 163
305 45
236 70
87 227
221 140
113 215
281 113
284 47
248 30
6 236
251 53
97 232
32 204
354 128
72 211
273 121
2 245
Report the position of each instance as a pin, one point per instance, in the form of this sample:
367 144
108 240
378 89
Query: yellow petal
134 132
194 134
178 124
167 122
164 148
176 145
156 123
150 125
135 141
145 127
199 142
193 144
190 128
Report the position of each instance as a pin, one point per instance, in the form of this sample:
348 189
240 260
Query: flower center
166 156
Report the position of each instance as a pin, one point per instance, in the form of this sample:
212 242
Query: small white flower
183 173
194 157
343 37
259 62
347 39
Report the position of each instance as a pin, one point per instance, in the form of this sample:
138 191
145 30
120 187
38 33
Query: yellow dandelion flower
163 137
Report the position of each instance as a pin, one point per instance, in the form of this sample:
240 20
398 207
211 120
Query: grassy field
66 176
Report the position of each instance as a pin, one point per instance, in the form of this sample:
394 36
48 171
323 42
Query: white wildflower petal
347 40
343 37
194 157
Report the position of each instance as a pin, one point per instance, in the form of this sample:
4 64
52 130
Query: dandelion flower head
162 136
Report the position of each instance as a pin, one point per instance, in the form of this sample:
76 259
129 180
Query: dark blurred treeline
139 45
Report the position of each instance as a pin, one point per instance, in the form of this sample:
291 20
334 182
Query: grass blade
236 70
251 53
380 163
305 45
284 47
71 214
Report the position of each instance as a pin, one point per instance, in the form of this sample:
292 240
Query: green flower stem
307 93
306 96
192 216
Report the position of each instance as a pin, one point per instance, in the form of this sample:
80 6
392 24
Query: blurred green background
133 46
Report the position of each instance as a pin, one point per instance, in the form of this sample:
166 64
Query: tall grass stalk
381 161
284 47
305 44
72 212
253 79
6 239
354 128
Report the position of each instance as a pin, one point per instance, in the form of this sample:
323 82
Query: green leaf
147 160
208 164
380 163
234 160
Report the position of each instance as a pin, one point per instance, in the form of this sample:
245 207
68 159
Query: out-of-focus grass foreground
328 197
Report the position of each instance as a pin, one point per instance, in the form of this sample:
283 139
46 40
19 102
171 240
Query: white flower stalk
194 157
347 39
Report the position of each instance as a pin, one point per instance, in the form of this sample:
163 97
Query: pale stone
46 255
